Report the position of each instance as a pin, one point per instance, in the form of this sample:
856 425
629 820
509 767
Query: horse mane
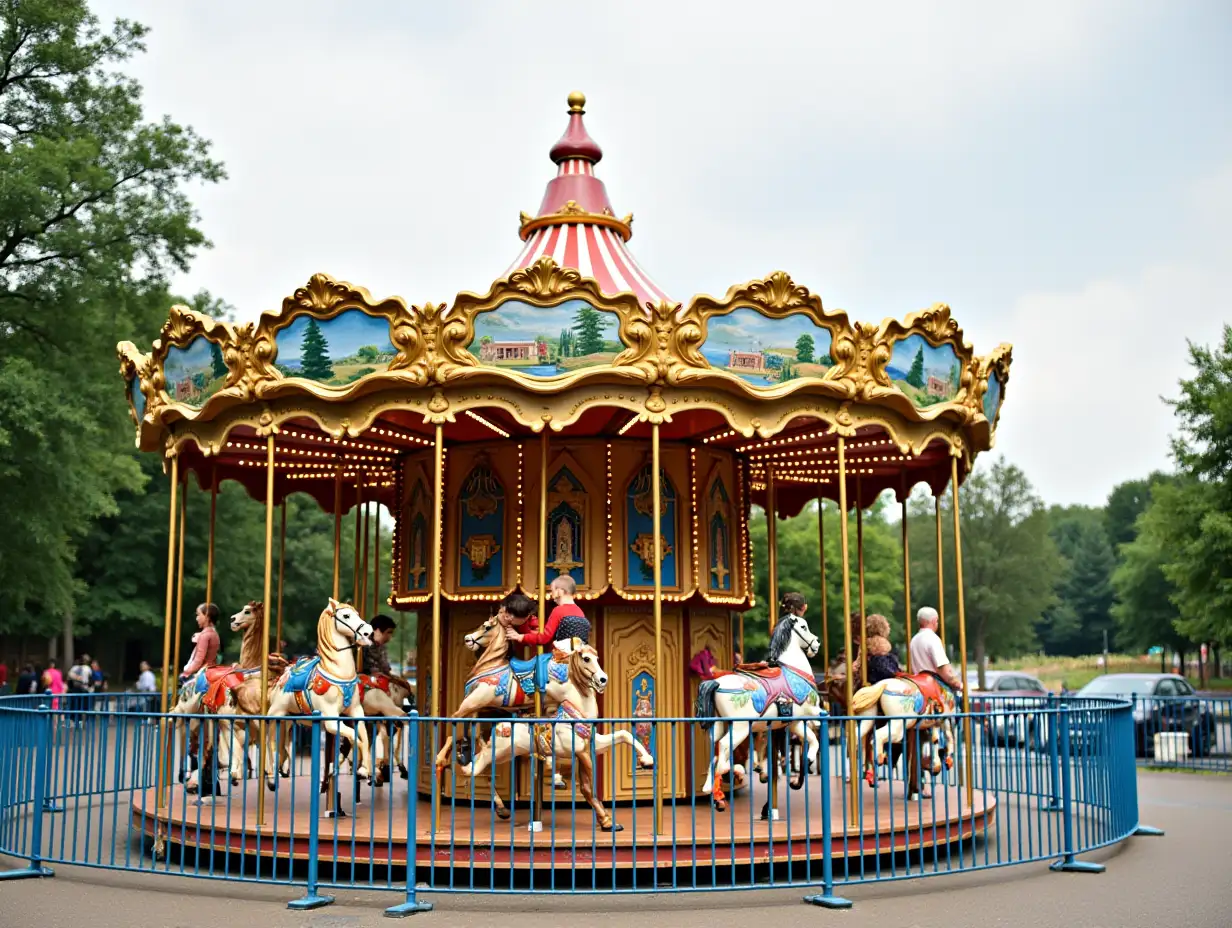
575 669
250 644
495 655
781 637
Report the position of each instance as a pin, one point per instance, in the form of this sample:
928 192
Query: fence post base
26 873
310 901
52 806
1076 866
410 907
1146 831
828 901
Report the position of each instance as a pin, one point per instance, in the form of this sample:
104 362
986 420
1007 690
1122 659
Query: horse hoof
614 826
647 764
720 805
271 785
738 770
796 783
502 814
402 771
235 781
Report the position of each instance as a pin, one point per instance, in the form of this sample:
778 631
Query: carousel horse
383 695
570 736
780 696
920 701
327 683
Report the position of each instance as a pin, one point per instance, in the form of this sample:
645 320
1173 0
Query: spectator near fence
4 678
148 685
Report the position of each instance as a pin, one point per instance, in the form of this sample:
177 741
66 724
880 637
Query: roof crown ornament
576 142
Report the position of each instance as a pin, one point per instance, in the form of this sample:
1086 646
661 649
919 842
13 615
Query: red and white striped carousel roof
575 225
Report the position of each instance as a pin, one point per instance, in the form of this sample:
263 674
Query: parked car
1163 702
1010 697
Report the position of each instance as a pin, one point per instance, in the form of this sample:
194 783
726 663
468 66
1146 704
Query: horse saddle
298 675
929 685
534 674
759 669
377 681
223 683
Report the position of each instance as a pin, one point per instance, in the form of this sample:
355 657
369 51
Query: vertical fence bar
1053 801
412 904
311 898
826 898
1067 863
36 868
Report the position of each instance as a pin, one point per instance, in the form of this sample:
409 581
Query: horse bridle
813 645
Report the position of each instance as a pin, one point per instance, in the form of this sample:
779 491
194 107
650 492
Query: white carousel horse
922 701
568 737
327 683
383 696
764 695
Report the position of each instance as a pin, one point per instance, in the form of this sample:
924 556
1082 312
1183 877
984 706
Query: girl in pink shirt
53 682
205 643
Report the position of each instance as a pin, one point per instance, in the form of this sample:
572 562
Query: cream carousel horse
776 697
569 737
383 696
922 701
327 683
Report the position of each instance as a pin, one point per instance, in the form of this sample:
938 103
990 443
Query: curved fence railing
104 782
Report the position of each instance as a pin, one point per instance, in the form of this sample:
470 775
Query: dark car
1010 697
1163 702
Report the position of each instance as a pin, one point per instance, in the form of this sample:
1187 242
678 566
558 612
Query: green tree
805 348
915 376
1144 611
589 324
1125 505
218 367
93 216
1010 564
368 354
1076 622
314 356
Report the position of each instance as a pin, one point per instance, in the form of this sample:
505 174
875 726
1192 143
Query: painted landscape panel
545 341
335 351
195 372
765 351
992 400
137 397
928 374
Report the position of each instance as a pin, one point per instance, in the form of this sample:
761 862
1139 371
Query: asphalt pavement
1178 881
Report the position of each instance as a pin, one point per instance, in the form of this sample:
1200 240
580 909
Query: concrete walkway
1179 881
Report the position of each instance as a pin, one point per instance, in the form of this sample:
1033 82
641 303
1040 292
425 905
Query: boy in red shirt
566 620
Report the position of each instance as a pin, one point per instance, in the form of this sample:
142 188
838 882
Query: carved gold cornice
573 214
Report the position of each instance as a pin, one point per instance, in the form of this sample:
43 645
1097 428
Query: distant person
28 681
882 664
565 622
928 653
53 682
376 655
79 687
206 643
98 679
147 685
4 678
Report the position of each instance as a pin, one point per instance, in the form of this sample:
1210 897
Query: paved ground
1180 881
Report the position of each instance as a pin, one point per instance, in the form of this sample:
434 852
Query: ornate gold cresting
572 213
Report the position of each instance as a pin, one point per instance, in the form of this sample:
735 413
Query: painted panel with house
334 351
767 351
193 373
992 399
545 341
928 374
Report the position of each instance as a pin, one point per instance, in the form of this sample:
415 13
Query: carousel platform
471 836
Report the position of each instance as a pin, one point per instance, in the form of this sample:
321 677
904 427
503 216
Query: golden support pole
337 533
179 579
940 575
282 572
853 774
363 583
906 586
542 585
209 556
656 491
821 556
438 494
164 769
860 572
268 588
962 630
772 593
356 599
376 557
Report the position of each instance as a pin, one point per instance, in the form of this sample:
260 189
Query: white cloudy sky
1060 173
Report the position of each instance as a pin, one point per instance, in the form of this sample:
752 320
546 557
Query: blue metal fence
1047 781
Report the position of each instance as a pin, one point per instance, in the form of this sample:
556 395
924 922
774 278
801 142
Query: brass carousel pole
209 555
772 594
656 491
356 601
376 557
338 532
179 579
860 572
269 579
821 556
940 573
282 573
962 630
438 493
536 816
363 583
854 785
163 768
906 582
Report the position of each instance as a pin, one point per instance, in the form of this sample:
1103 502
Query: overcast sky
1059 173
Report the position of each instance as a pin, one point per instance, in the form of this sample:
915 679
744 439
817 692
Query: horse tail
866 698
704 707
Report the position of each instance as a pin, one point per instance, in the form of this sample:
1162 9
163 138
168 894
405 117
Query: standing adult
52 682
80 684
148 685
27 681
206 643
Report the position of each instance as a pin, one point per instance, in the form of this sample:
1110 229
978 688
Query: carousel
573 421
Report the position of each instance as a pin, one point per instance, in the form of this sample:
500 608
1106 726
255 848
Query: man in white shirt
927 651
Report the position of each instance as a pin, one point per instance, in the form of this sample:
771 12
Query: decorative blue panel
335 351
639 521
482 529
643 707
195 372
137 397
566 527
992 399
929 374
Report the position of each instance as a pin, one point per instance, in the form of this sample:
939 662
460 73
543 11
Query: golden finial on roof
577 100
